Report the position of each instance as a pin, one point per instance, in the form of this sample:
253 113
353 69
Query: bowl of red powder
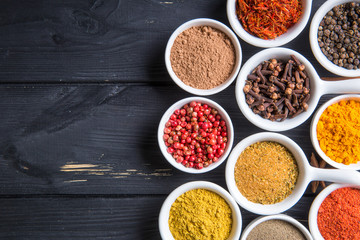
268 23
335 213
203 56
335 131
195 135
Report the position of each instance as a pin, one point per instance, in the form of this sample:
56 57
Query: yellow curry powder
200 214
338 131
266 172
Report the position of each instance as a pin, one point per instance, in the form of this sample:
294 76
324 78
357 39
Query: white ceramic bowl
178 105
306 174
313 35
282 217
313 135
318 88
313 226
165 209
288 36
204 22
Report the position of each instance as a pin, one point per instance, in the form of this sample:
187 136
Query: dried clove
253 77
278 90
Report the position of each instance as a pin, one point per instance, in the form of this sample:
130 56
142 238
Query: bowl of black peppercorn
335 37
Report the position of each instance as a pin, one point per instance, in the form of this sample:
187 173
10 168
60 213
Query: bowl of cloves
278 89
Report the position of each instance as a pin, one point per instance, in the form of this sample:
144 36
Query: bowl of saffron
269 23
335 213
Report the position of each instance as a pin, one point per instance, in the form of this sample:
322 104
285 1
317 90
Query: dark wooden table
83 88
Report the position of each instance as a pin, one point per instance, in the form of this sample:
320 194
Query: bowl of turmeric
335 131
200 210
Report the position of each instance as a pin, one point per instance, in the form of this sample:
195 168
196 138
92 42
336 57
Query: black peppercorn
338 35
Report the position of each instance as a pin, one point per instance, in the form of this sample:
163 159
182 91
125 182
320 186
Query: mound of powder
203 57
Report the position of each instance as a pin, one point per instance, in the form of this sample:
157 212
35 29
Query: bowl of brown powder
267 173
278 226
203 56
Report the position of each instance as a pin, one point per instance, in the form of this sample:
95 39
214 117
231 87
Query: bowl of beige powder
203 56
279 226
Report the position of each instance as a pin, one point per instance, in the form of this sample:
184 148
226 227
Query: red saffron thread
268 19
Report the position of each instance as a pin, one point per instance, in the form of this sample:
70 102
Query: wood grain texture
76 139
102 41
114 217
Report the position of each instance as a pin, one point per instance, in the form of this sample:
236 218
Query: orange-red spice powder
339 215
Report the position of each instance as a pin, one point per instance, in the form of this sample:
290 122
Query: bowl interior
313 132
178 105
300 187
291 34
313 34
165 209
204 22
282 217
251 64
313 226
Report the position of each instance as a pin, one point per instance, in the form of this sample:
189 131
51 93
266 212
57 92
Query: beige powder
274 230
203 57
266 172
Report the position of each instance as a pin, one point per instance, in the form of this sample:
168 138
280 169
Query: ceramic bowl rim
288 123
314 208
179 104
313 33
282 217
165 208
313 135
301 184
204 22
293 32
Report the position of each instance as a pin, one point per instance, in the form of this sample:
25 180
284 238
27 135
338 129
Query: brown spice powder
275 229
266 172
203 57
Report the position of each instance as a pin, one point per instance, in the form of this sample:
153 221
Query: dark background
83 86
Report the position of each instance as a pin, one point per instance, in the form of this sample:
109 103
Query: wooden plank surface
101 41
74 139
83 86
75 217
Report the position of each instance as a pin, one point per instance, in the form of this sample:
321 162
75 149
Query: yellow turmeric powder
338 131
200 214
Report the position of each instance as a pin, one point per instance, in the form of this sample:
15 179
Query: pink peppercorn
195 135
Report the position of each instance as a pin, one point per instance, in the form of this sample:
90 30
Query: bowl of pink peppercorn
195 135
